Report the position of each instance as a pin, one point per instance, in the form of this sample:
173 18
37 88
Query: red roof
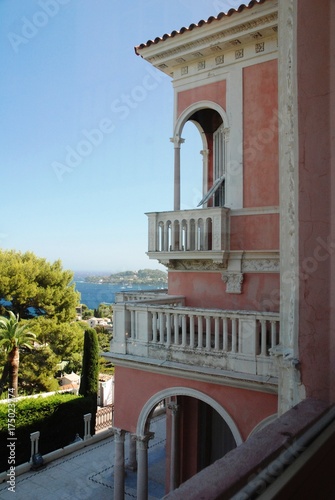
198 25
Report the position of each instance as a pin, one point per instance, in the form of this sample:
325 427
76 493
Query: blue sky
71 82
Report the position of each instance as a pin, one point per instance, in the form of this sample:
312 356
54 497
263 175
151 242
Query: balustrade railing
191 334
189 230
104 418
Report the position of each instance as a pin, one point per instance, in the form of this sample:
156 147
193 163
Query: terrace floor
88 474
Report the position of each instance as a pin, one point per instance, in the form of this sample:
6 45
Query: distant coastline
101 288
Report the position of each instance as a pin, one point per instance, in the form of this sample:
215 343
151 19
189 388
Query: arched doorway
198 431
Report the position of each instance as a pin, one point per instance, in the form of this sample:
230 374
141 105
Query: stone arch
197 106
185 391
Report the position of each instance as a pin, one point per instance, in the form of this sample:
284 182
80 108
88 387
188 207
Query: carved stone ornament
260 265
194 265
233 281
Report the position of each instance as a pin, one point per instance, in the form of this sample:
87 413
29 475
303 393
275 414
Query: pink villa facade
244 333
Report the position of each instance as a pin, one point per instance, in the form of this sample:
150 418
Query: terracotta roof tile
198 25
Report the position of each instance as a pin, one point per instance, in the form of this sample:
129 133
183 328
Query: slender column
174 462
119 474
132 462
142 465
204 153
177 141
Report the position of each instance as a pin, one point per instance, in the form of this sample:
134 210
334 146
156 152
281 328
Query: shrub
58 418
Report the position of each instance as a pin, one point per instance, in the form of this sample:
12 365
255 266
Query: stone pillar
174 461
34 437
142 465
132 461
87 426
177 141
119 475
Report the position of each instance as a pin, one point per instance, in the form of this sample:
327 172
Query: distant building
246 330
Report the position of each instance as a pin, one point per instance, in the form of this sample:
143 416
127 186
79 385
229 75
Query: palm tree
13 335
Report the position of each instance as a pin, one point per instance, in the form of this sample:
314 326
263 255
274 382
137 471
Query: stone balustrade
239 341
200 230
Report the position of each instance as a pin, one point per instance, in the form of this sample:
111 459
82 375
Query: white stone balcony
189 234
237 341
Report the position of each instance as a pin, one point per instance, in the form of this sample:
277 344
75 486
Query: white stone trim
291 390
185 391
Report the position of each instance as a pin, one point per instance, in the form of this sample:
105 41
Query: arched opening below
195 435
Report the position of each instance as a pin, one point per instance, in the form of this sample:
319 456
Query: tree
90 370
33 286
13 335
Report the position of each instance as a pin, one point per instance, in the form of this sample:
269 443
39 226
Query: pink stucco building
245 331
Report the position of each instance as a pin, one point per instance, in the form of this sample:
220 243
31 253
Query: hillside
141 277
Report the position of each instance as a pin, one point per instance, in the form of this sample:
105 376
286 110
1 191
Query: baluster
176 328
161 327
154 327
233 334
225 335
168 329
191 330
217 333
263 337
200 332
183 330
273 333
208 333
132 325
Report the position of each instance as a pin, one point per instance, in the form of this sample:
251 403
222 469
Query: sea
93 294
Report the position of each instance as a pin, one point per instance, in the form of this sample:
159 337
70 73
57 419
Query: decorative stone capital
177 141
233 281
119 435
173 407
142 441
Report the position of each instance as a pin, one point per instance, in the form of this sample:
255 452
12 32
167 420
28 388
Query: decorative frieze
193 265
260 265
233 282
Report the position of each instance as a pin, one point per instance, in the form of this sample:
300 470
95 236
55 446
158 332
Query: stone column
132 461
174 461
142 465
119 475
177 141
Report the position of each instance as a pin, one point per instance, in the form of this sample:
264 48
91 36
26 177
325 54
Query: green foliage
58 418
13 335
38 370
104 311
28 281
104 338
86 312
90 370
66 340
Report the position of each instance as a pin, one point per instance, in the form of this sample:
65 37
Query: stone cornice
212 39
202 374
